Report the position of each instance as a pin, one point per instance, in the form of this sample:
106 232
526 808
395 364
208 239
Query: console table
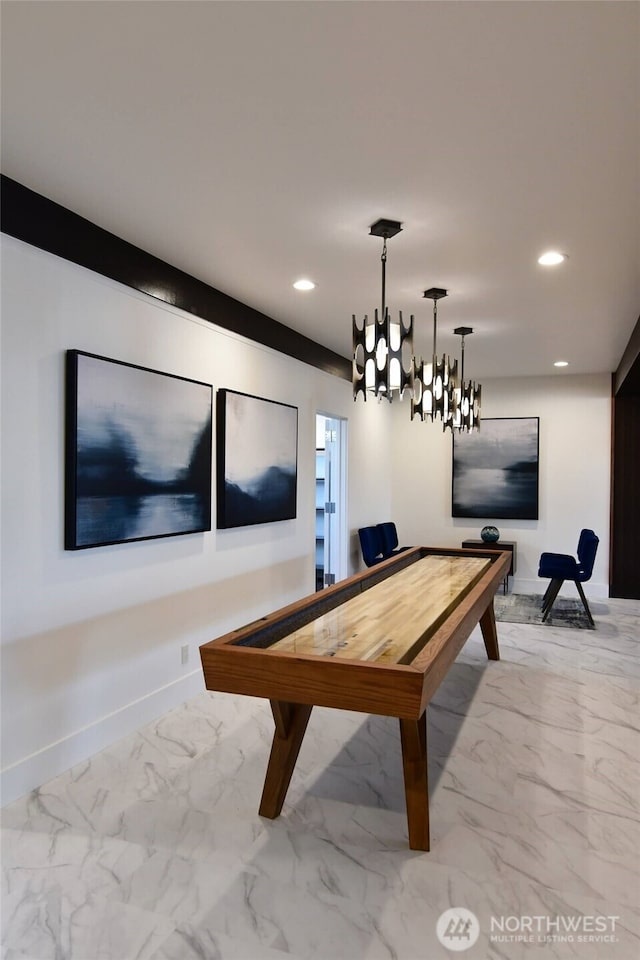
510 545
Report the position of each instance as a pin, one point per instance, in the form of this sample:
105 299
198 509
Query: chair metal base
552 592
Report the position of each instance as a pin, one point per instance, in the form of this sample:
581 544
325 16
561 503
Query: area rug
527 608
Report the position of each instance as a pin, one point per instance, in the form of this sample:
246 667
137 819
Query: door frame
340 525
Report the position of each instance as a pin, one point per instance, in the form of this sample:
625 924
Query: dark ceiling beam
626 380
30 217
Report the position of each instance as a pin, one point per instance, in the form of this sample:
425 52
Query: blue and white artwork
138 453
495 471
257 443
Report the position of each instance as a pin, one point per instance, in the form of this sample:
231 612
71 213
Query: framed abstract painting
257 460
495 471
138 453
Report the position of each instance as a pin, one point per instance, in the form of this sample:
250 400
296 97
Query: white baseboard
31 772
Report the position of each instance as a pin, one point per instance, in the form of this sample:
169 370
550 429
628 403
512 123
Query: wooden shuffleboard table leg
413 736
489 632
291 723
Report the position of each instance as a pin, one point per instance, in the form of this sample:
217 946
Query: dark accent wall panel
42 223
625 527
626 381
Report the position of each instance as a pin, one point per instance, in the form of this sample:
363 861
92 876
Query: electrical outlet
184 653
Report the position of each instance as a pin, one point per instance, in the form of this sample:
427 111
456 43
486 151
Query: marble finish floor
154 849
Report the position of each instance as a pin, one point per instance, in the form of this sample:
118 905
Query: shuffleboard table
378 642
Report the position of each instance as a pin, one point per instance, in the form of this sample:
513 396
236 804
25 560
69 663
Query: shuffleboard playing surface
389 620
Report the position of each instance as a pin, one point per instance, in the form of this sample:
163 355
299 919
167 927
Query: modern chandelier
467 394
434 382
381 347
384 363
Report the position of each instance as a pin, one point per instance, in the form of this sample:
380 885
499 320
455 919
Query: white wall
575 445
91 639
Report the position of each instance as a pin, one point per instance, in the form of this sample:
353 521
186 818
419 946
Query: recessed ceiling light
304 285
561 363
552 258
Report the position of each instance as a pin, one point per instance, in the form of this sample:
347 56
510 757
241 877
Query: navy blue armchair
389 536
559 567
379 542
371 544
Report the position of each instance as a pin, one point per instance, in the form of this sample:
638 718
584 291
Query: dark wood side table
510 545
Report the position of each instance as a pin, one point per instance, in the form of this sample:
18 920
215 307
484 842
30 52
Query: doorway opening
331 500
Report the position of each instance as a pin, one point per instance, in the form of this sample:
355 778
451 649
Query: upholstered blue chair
559 567
371 544
389 536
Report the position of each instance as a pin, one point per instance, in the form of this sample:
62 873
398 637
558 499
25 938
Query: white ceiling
251 143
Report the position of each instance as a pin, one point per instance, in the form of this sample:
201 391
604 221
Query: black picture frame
138 453
257 460
495 473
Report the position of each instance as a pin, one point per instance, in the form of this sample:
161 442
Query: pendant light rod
435 294
435 327
385 229
383 258
462 332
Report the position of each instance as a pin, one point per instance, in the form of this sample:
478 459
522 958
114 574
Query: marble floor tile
70 924
154 849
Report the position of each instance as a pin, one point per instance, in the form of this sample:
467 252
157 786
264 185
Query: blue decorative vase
490 534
